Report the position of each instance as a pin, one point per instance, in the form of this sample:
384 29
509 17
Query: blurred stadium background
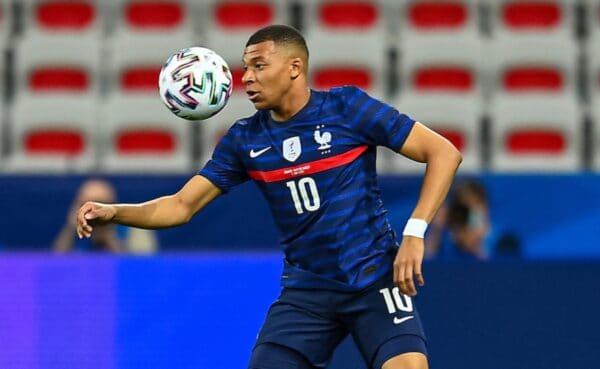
514 84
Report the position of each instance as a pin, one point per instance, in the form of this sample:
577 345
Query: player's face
267 76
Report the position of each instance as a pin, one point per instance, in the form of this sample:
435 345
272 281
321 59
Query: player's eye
260 66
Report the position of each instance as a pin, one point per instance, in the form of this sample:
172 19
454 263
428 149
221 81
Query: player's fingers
419 273
84 228
400 282
91 214
81 223
408 280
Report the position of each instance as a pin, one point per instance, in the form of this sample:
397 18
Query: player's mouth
252 95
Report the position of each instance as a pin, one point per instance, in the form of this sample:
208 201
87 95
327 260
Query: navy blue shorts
383 322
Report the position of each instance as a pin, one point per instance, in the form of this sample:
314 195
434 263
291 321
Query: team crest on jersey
322 138
292 148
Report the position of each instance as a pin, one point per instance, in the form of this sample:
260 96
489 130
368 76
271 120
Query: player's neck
291 105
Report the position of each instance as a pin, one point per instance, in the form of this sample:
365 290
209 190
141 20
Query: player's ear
296 67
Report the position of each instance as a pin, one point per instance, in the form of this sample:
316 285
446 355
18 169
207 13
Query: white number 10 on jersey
304 194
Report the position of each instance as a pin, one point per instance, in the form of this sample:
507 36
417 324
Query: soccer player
312 154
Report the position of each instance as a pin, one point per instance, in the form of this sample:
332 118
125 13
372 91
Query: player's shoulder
347 95
345 92
247 122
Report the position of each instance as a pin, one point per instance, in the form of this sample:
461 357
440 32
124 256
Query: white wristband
415 227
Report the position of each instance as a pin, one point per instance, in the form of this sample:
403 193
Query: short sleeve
379 123
224 169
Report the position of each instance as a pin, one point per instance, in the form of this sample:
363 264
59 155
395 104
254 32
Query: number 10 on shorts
394 300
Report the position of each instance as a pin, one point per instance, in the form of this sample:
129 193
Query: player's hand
408 264
93 213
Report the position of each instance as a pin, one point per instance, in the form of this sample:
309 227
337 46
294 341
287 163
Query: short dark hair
279 34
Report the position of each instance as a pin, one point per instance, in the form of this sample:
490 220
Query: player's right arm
163 212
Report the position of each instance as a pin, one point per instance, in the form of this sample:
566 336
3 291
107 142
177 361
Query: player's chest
282 147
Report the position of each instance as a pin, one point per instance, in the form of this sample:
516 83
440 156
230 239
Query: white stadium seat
143 20
433 65
334 29
448 20
457 118
214 128
539 133
51 18
229 23
134 65
69 65
532 64
52 134
140 135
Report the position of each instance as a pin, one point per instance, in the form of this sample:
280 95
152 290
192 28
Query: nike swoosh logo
402 320
254 154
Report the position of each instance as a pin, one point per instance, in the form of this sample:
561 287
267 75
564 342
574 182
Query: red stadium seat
325 78
45 64
532 64
539 133
54 79
142 23
143 136
438 15
443 20
146 141
230 22
47 141
134 63
529 78
436 65
235 15
236 74
444 78
336 28
532 14
140 78
52 133
154 15
535 141
62 18
355 15
65 15
456 137
547 18
456 117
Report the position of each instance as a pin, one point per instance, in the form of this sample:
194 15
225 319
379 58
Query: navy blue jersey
317 172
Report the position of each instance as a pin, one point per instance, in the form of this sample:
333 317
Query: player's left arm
442 159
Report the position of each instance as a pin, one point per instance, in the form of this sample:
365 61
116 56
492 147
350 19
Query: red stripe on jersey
308 168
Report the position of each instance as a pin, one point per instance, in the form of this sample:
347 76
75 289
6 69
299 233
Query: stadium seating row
452 73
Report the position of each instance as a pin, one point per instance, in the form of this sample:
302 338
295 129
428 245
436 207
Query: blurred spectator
462 229
110 237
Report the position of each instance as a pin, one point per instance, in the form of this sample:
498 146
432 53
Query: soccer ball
195 83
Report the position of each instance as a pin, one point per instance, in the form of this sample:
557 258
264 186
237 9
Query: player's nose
247 77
